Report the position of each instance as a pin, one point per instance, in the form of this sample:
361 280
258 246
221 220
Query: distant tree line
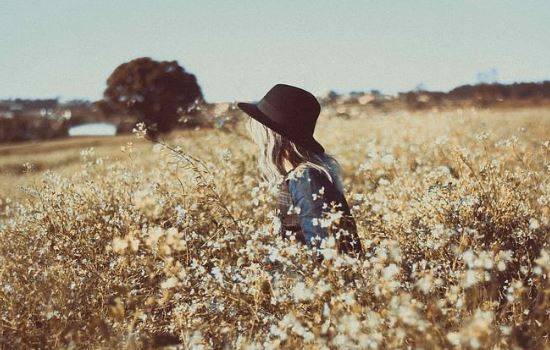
164 96
24 103
480 95
496 91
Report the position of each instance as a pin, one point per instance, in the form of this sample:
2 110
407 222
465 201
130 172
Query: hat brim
308 143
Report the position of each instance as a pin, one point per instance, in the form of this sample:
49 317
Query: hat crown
290 104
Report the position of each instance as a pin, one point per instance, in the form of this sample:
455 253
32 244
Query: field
123 243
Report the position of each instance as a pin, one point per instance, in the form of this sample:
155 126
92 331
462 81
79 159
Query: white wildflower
169 283
218 276
470 278
388 159
302 292
390 271
533 224
424 284
119 244
181 214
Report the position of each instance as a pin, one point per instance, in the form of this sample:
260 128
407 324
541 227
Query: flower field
131 244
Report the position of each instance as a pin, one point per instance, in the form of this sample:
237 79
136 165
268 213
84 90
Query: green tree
156 92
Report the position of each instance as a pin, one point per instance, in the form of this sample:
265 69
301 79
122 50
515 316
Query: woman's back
305 208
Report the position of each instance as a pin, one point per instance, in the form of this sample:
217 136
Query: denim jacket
306 198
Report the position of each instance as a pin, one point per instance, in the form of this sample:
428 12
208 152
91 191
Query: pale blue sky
239 49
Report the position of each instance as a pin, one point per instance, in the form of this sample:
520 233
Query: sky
239 49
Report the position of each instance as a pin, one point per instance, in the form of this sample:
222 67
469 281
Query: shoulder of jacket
306 174
298 172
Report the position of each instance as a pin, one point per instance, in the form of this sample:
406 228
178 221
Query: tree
154 91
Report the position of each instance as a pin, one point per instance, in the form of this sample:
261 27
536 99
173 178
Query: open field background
64 155
129 244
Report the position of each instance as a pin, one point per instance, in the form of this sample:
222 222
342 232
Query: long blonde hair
275 148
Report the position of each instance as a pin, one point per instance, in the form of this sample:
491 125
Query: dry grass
134 245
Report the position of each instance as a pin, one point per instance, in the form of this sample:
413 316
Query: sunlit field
123 243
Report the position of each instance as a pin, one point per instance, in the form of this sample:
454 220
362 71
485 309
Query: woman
311 202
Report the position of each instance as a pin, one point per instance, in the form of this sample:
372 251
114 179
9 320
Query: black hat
289 111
